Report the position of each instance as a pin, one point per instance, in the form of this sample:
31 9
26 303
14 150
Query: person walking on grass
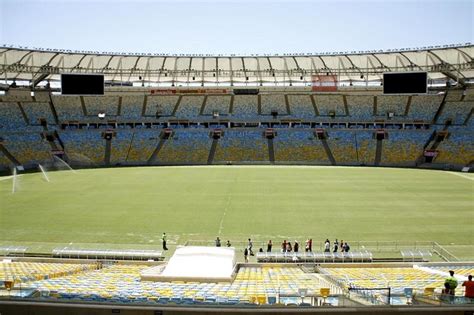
163 239
246 255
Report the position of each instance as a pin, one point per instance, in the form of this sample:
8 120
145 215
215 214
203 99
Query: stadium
208 183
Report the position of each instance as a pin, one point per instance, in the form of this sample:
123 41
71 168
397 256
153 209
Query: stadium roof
36 65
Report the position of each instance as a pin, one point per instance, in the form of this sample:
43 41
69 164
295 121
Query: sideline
462 175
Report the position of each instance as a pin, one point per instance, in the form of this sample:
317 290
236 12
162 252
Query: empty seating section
404 147
4 161
395 104
34 271
397 278
132 106
301 106
361 107
424 107
37 110
218 103
68 107
10 116
84 146
121 283
28 148
456 111
186 147
143 144
330 103
242 146
161 104
457 149
299 146
366 146
273 102
245 106
189 107
105 104
120 146
343 146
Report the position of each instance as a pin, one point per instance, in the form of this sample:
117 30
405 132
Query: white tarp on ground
196 263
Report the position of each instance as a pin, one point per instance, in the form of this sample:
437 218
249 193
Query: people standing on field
269 246
283 246
310 244
228 243
218 242
336 246
163 239
327 246
306 245
250 245
246 255
296 247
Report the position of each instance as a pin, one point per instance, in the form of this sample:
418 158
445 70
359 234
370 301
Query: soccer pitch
131 207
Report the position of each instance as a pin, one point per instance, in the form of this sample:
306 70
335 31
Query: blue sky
227 26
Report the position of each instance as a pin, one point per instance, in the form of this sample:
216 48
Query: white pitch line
221 225
462 175
5 178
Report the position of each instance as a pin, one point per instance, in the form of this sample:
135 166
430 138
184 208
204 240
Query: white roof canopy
454 62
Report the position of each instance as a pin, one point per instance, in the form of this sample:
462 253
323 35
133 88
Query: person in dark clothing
163 239
218 242
283 246
288 247
228 243
310 244
296 247
250 245
336 246
269 246
246 255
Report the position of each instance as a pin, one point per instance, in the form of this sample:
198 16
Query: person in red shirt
469 284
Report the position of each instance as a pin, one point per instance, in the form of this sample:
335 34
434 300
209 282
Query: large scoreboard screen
405 83
82 84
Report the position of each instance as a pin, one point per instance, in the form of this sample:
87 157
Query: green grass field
131 207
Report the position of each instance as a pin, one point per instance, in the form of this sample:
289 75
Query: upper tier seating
218 103
189 107
327 103
37 110
361 107
68 107
273 102
11 117
132 106
395 104
163 104
456 111
97 104
424 107
245 106
301 106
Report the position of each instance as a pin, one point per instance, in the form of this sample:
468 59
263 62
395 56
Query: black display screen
405 83
82 84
